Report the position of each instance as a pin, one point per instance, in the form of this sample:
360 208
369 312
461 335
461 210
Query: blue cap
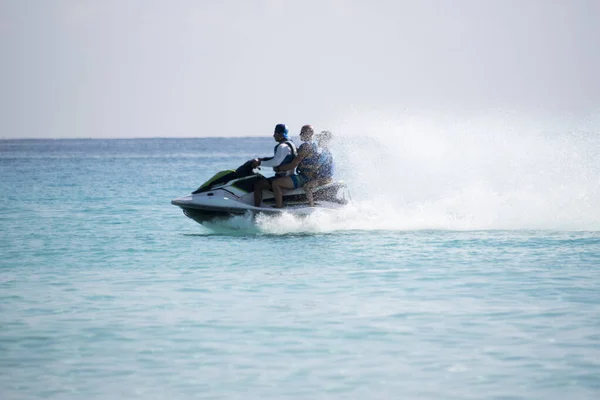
281 128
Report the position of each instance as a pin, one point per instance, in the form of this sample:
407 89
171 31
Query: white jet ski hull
236 198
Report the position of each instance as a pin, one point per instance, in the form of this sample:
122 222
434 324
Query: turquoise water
454 289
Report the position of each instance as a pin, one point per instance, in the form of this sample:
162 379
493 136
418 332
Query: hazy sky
135 68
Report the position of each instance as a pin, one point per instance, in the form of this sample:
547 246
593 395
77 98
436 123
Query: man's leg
259 185
278 184
308 189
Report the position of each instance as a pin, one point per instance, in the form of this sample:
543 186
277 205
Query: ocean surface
462 269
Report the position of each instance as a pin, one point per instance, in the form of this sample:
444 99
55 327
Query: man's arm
302 154
280 155
293 164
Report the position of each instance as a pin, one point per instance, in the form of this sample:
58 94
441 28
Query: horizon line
135 137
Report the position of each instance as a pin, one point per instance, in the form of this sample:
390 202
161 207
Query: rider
284 153
307 164
326 164
325 169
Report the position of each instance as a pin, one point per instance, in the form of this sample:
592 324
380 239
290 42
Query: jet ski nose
182 201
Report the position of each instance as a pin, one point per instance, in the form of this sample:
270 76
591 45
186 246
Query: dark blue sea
462 269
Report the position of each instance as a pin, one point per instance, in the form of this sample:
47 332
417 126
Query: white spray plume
414 173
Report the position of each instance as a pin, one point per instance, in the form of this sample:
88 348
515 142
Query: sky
190 68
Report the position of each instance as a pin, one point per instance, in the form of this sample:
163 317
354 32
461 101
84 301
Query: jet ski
231 192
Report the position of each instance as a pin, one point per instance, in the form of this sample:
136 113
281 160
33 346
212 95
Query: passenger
306 163
284 153
325 166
